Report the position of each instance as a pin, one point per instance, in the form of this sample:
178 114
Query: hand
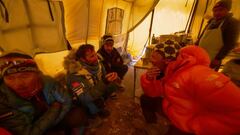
237 50
56 104
111 76
152 73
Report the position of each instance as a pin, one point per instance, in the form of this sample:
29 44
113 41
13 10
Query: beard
93 63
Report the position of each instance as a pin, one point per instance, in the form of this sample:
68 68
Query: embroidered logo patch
212 77
176 85
219 84
77 88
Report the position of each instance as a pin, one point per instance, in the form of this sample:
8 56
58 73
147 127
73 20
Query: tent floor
126 115
126 119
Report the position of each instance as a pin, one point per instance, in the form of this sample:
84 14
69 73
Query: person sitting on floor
32 103
87 79
111 58
195 98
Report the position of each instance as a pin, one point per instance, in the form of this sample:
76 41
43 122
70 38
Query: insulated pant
121 70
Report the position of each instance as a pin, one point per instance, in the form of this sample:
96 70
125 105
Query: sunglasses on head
6 63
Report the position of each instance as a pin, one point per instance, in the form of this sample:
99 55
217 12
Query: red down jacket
197 99
4 131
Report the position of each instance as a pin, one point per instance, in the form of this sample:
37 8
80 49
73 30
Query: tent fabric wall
126 5
76 20
86 19
139 11
198 19
83 19
170 16
138 38
34 26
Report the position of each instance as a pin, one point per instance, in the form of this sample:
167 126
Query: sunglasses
6 63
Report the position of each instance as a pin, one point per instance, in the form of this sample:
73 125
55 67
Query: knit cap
13 62
168 49
224 3
107 37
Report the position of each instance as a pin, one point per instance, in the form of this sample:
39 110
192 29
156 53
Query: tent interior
48 29
49 34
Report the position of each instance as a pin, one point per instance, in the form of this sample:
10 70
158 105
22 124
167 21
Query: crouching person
152 84
88 81
111 58
31 103
196 99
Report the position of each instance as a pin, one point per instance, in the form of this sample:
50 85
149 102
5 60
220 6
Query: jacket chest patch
77 88
219 84
176 85
212 77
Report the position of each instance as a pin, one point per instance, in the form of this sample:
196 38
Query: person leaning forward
195 98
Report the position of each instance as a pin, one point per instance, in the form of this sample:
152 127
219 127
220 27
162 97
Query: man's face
108 46
157 60
23 81
91 57
219 12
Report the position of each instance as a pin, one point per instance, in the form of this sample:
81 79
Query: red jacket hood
188 56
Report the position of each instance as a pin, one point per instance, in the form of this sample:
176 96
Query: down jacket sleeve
57 93
4 131
151 88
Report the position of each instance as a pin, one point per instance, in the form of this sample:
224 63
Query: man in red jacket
196 99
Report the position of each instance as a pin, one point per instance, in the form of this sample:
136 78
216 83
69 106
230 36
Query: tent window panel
31 31
171 16
114 21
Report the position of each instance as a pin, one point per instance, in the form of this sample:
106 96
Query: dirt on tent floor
126 119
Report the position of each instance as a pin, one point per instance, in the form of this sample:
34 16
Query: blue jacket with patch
17 114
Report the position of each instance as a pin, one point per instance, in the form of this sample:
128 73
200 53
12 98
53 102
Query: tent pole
150 28
88 22
191 16
202 21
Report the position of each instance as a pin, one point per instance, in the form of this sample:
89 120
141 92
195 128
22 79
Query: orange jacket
197 99
151 88
4 131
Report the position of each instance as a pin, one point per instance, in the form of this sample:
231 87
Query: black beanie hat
224 3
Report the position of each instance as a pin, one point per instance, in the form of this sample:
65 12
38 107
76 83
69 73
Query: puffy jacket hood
70 63
73 66
188 56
